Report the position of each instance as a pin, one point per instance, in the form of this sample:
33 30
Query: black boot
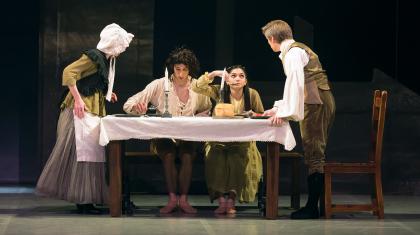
92 210
80 208
315 187
88 209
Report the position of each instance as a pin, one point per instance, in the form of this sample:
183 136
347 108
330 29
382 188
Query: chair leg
295 184
327 197
374 202
379 196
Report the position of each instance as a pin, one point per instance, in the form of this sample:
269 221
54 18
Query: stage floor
22 213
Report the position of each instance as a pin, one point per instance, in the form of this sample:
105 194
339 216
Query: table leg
114 151
272 183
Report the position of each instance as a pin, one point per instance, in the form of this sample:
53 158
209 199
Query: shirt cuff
277 103
204 79
69 82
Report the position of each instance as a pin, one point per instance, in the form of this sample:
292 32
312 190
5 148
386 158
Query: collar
284 47
171 80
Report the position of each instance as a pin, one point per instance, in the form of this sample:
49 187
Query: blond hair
278 29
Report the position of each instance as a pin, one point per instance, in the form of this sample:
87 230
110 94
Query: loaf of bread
224 110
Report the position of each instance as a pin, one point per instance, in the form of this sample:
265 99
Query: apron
86 131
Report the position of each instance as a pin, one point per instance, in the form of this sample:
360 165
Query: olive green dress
234 166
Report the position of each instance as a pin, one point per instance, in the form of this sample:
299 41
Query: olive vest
315 76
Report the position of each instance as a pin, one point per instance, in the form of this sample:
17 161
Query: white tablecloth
194 129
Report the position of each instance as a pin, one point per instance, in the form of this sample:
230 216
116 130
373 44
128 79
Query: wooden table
112 134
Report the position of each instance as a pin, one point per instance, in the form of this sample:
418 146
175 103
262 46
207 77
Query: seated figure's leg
165 148
238 160
230 204
187 153
222 204
216 174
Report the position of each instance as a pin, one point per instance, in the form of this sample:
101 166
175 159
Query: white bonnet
114 40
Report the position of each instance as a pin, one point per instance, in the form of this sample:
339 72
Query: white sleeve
291 106
143 96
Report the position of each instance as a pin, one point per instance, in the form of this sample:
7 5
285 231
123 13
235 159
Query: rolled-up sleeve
77 70
144 96
202 86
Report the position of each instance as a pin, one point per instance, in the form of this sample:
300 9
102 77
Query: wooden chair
371 167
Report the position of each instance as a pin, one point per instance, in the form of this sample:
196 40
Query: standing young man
307 98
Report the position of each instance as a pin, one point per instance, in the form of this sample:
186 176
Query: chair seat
140 154
291 155
339 167
286 155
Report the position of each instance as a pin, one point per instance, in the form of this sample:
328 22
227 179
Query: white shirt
291 106
154 93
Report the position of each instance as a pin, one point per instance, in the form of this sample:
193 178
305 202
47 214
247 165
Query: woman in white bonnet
75 170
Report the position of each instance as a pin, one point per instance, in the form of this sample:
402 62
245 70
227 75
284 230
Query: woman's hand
215 73
79 105
114 98
79 108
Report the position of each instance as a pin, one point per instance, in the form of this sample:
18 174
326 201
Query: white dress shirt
291 106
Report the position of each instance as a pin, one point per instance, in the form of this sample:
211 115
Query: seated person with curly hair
183 66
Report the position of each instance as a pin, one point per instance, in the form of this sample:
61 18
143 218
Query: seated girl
232 169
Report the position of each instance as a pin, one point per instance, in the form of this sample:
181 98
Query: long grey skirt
63 177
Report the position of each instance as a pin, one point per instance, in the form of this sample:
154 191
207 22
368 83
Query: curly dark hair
182 55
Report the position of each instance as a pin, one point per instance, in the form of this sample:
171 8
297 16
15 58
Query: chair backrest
378 122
